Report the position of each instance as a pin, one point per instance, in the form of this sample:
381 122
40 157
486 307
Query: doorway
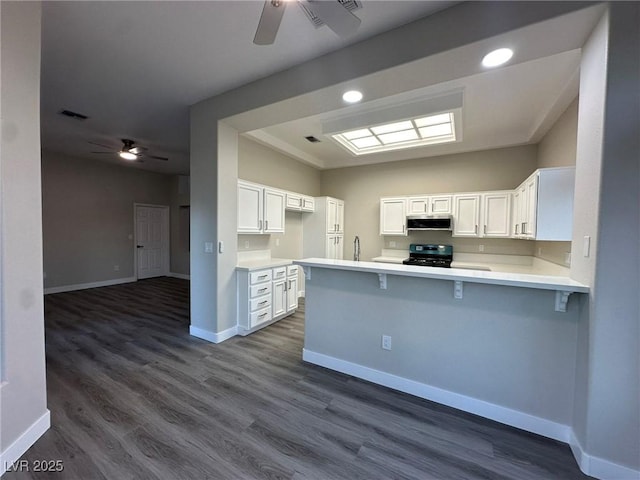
151 240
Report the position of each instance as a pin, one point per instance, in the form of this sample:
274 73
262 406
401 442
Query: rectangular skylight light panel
365 142
392 127
395 137
433 120
363 132
436 130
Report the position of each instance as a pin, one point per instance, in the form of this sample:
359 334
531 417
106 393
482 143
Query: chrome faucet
356 249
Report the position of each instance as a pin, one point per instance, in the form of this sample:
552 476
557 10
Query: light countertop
260 263
514 279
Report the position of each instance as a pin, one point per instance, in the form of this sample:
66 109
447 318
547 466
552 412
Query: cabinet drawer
259 303
279 273
260 276
260 316
292 270
259 290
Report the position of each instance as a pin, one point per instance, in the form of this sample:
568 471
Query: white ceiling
135 67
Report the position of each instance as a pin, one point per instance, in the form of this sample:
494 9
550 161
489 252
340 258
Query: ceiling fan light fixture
352 96
497 57
126 155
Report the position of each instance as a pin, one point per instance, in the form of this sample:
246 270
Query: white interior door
152 241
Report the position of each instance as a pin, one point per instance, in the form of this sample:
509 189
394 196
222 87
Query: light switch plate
586 245
208 247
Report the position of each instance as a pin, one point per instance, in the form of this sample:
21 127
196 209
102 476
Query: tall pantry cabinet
323 235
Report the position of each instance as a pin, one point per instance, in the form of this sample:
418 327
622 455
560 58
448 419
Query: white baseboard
488 410
183 276
84 286
24 442
213 336
598 467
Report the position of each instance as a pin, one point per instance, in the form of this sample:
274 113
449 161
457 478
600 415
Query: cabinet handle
522 230
289 287
485 229
300 202
516 229
476 230
263 302
262 290
263 315
262 276
403 227
259 224
266 224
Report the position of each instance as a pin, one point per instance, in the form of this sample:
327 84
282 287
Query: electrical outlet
277 242
392 244
246 244
481 248
539 251
567 258
116 268
208 247
386 342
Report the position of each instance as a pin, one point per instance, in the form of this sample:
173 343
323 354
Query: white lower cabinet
265 296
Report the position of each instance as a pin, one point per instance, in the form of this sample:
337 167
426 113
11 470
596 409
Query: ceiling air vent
76 115
317 22
312 139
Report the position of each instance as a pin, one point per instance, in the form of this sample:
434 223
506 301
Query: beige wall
88 217
257 163
281 171
180 215
362 187
558 146
558 149
23 395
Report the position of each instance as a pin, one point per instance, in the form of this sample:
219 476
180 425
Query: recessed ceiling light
127 155
352 96
497 57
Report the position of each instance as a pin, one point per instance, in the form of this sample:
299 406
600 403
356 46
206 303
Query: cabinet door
418 205
466 212
496 215
339 252
529 227
340 216
440 205
273 211
250 207
516 217
332 215
294 201
308 204
279 302
393 216
292 294
330 250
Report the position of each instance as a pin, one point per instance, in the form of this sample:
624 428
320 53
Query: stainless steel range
430 255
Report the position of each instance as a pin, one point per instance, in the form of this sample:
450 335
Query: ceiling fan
336 14
129 151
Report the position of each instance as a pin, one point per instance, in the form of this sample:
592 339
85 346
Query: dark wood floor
133 396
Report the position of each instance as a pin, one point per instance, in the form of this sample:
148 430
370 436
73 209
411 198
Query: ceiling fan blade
101 145
155 157
110 153
335 15
270 19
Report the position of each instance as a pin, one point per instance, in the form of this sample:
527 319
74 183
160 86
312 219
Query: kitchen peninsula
501 345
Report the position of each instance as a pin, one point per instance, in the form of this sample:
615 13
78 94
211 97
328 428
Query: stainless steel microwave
429 222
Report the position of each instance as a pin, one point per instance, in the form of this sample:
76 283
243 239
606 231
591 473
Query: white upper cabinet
544 205
393 216
308 204
273 210
250 207
466 213
441 205
294 201
260 208
496 214
418 205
